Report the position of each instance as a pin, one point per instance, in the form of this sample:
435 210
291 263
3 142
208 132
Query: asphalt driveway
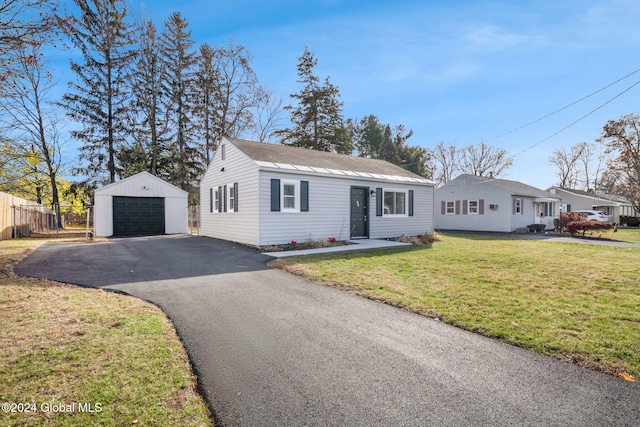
272 349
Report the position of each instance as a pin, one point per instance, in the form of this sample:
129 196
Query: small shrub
293 244
521 230
420 239
537 228
630 221
591 226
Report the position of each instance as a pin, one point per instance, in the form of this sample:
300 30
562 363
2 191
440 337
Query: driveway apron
273 349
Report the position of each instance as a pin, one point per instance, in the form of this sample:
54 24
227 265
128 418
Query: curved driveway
272 349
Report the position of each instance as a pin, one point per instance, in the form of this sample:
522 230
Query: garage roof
142 184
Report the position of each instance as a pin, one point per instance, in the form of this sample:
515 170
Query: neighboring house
142 204
611 205
264 194
480 203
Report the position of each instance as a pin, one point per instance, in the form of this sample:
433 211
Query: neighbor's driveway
272 349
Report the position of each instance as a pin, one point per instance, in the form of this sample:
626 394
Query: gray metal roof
303 159
602 197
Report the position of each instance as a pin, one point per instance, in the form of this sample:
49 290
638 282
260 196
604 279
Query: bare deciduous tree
622 139
567 164
446 162
485 160
25 118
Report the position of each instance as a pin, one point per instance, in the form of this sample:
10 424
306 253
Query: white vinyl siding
239 226
329 211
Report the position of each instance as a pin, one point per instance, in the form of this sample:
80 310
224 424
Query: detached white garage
140 205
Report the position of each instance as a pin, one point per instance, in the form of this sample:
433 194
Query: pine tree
208 101
179 61
97 99
317 121
148 116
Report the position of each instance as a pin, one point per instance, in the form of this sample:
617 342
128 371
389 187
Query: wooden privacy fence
20 217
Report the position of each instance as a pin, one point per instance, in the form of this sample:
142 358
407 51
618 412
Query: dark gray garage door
138 216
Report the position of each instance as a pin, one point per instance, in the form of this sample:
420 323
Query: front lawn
631 235
73 356
576 302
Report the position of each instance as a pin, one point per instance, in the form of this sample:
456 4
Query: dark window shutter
211 200
379 201
304 196
481 206
275 195
224 189
410 202
521 206
443 208
220 199
457 207
235 194
464 207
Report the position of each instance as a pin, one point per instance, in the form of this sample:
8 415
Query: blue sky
463 71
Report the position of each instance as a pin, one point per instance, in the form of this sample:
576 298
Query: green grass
631 235
575 302
62 344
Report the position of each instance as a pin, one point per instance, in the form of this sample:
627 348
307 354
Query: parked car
595 216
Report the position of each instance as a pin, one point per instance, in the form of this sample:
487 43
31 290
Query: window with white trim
518 207
232 198
215 204
290 193
548 209
451 208
473 207
395 202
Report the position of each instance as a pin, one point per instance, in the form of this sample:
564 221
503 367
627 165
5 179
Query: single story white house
480 203
614 206
141 204
262 194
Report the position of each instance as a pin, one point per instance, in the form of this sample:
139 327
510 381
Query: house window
232 198
518 207
222 152
473 207
395 203
548 208
215 204
288 196
451 208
